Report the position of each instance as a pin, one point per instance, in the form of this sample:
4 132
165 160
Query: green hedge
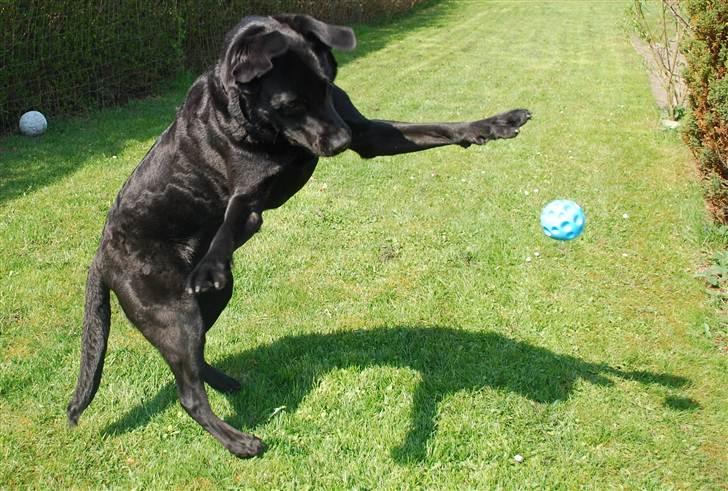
707 79
66 56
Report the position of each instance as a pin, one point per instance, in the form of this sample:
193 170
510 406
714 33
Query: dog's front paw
505 125
208 274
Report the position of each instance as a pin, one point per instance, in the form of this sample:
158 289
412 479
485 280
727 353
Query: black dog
247 138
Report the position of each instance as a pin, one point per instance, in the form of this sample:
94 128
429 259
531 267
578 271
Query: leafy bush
707 130
65 56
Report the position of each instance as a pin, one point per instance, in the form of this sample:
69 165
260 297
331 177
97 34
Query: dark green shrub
707 130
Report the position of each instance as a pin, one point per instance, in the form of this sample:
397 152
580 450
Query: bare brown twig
663 37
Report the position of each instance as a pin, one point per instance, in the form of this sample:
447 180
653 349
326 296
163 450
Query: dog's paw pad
516 117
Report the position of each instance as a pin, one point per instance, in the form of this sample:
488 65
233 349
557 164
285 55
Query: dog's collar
245 130
240 130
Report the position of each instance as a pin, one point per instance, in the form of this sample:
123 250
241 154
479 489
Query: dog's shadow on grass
280 374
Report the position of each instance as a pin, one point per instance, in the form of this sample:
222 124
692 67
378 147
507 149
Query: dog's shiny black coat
247 138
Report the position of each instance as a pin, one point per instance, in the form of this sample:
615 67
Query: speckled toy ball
562 219
33 123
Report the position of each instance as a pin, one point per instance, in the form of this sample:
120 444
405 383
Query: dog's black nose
336 143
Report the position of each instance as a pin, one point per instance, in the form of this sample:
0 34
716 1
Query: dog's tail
96 322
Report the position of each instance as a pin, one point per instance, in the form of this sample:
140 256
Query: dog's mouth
322 146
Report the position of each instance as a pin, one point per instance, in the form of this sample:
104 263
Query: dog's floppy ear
337 37
250 55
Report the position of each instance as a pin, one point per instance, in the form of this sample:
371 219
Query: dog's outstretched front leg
241 222
372 137
376 137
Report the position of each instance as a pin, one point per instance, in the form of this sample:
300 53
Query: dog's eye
293 108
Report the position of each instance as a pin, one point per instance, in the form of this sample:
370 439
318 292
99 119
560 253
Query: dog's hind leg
187 366
211 305
219 380
181 342
175 323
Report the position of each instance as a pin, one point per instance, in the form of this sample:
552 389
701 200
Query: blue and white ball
562 219
33 123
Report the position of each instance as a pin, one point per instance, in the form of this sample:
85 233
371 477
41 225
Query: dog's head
280 71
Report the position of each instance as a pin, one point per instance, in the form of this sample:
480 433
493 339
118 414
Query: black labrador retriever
247 138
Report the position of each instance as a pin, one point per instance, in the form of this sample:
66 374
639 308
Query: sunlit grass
388 325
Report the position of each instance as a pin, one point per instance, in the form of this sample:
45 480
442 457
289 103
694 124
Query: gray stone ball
33 123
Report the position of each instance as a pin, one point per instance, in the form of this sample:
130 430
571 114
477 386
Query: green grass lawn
402 322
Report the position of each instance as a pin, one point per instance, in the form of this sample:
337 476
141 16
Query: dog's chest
289 179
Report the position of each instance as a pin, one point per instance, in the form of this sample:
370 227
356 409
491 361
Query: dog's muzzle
335 143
